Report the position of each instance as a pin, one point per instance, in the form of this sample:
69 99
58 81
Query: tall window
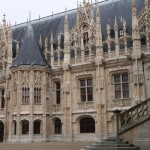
87 125
37 127
25 127
58 90
25 95
58 126
86 90
2 100
85 38
121 84
37 95
14 127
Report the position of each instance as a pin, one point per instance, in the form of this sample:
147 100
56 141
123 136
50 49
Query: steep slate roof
29 53
55 23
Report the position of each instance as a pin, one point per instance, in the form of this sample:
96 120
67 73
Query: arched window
112 33
58 92
112 45
61 55
143 40
14 127
1 131
72 54
37 127
55 56
85 38
25 127
105 47
87 125
58 126
86 51
121 44
2 100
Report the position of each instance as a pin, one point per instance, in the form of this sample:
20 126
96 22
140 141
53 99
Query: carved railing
144 48
2 73
58 65
25 108
121 103
106 55
121 52
129 51
134 116
85 106
37 107
112 54
56 108
78 60
2 112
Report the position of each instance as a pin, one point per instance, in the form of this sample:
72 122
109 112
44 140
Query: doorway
1 131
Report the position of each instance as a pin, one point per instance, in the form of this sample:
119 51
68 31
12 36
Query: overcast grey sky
18 10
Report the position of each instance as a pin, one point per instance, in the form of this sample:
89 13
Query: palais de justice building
62 76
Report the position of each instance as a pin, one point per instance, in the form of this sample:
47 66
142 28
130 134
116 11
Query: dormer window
121 32
85 38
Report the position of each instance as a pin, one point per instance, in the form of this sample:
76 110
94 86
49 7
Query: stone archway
1 131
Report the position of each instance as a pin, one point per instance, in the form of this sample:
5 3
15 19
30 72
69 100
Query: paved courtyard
45 146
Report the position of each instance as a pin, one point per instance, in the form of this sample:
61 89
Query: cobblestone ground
45 146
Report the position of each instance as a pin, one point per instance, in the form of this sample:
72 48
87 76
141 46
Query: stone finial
4 20
146 2
124 25
133 7
116 24
51 40
46 42
40 41
17 48
108 27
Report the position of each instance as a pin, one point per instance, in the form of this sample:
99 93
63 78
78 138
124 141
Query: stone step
111 145
110 148
112 142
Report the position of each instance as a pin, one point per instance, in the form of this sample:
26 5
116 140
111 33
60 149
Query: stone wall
139 135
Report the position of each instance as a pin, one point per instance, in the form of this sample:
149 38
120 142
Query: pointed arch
25 126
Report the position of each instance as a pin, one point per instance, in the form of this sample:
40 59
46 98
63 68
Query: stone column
31 105
44 106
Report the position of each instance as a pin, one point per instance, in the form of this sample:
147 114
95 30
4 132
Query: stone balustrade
134 116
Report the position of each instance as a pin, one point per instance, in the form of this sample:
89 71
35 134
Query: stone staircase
111 144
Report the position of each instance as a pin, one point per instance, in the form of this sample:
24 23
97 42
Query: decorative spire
124 26
29 53
17 48
146 2
51 40
133 7
40 41
4 20
58 41
97 13
52 50
66 16
116 24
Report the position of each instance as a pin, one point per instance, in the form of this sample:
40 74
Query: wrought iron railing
134 116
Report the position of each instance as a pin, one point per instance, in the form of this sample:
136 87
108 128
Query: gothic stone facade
73 96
